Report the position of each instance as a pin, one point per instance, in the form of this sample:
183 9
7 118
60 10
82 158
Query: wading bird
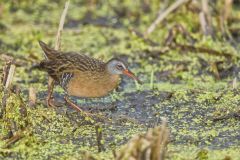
80 75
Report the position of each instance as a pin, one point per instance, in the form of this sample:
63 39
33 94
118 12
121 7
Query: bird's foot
88 116
74 106
50 102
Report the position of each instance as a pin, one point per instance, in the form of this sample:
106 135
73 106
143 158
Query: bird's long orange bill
130 74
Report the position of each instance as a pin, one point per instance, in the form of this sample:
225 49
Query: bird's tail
49 53
38 66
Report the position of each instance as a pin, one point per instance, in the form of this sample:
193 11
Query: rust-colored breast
92 84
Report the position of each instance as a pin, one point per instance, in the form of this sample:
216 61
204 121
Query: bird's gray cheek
116 71
112 70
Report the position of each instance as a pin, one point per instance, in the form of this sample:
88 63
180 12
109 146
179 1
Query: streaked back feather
49 53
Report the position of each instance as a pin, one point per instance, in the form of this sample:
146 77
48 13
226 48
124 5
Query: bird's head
117 66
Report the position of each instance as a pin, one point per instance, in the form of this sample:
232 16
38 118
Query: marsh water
189 78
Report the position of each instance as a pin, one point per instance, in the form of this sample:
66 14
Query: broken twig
60 27
235 83
174 31
228 116
32 96
7 78
150 146
206 19
192 48
163 15
14 139
57 47
98 129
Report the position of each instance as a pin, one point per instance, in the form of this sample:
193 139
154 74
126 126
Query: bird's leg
84 113
73 105
50 91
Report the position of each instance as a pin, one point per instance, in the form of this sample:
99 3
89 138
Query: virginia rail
80 75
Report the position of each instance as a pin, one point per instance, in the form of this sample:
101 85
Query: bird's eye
119 67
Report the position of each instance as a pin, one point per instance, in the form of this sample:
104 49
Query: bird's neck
111 79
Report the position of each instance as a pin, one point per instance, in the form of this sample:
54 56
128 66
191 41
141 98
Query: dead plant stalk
162 16
58 38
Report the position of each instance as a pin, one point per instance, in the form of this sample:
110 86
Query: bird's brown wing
82 62
66 64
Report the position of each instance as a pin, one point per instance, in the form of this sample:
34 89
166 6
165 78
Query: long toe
50 103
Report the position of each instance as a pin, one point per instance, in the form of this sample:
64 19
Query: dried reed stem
8 72
32 96
60 27
206 19
58 39
149 146
99 137
162 16
10 76
224 16
235 83
227 9
18 135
